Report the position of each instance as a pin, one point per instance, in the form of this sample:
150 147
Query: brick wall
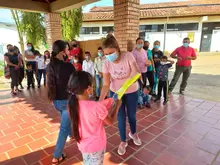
126 22
53 28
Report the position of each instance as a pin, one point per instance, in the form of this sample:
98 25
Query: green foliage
71 22
33 27
1 68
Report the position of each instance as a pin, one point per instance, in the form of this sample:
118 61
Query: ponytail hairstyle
110 42
54 67
79 81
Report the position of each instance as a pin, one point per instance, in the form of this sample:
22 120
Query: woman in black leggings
13 61
21 67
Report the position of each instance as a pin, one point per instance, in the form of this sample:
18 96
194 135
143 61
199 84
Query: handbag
7 71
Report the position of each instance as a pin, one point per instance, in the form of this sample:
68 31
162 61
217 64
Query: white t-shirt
88 67
47 61
29 53
40 62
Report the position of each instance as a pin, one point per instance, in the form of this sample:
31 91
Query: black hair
16 48
36 52
187 38
164 58
99 48
79 81
146 42
87 52
29 43
9 45
148 88
53 71
139 38
28 64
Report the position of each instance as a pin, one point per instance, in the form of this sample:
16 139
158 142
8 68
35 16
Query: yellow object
126 85
191 36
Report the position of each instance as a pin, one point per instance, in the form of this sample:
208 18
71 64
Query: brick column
53 28
126 22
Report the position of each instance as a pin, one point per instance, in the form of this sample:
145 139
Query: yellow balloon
126 85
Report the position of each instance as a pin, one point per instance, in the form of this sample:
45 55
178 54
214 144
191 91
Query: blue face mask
99 54
112 57
186 45
29 47
139 46
156 46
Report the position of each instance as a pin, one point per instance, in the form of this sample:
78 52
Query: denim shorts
95 158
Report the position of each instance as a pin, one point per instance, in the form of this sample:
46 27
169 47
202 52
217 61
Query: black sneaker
182 92
148 105
28 88
165 102
157 99
33 86
38 86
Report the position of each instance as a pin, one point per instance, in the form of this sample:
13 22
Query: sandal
59 160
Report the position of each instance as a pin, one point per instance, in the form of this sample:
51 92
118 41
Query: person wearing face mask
76 63
31 58
98 71
150 68
75 51
157 54
88 64
163 83
184 55
58 76
141 58
13 61
117 68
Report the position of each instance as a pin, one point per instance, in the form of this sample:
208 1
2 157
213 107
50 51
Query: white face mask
162 63
75 61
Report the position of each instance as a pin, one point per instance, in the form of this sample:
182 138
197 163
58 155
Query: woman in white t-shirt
41 67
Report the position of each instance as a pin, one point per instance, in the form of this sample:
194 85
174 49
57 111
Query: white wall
85 37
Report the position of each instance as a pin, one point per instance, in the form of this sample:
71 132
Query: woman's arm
105 87
9 62
109 120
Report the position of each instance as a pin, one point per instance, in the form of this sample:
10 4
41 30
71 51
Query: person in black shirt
57 79
13 62
157 54
30 76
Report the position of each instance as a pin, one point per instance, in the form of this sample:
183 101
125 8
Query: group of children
159 66
38 70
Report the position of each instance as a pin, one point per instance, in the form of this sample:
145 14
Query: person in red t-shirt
77 64
184 55
75 51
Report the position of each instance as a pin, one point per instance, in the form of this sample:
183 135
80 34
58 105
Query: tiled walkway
185 132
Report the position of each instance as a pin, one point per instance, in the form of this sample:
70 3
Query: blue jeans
39 74
98 80
155 80
129 106
65 126
143 100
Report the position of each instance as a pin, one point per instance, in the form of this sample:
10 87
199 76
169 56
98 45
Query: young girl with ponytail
88 118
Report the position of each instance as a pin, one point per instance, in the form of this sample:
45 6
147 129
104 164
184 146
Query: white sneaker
122 148
136 139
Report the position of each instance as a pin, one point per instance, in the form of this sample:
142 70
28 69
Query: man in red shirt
184 55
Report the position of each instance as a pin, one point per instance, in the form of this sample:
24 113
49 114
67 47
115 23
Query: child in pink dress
88 118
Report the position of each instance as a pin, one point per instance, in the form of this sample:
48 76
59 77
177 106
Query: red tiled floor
186 131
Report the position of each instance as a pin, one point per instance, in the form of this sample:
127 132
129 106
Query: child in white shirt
88 64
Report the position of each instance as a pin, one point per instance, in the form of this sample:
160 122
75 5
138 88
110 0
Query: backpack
6 71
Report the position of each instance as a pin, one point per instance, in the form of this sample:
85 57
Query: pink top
91 126
140 57
183 53
120 72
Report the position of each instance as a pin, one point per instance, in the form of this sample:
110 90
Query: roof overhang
44 7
